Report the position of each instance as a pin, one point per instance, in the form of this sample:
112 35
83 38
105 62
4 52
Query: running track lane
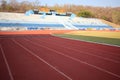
109 64
74 69
83 48
23 42
25 66
111 52
4 73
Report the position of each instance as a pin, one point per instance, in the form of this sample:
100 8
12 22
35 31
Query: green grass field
106 40
105 34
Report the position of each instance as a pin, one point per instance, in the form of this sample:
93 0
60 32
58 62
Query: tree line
111 14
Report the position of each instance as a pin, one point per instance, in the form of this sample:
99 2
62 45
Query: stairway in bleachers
68 25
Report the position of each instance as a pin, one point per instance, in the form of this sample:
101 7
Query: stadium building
50 20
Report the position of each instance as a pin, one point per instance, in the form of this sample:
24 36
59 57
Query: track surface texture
46 57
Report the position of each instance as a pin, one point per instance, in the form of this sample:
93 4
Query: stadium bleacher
84 23
36 22
31 26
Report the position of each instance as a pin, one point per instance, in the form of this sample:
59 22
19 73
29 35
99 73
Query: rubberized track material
46 57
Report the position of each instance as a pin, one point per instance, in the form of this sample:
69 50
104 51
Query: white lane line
6 62
105 44
63 74
108 59
75 59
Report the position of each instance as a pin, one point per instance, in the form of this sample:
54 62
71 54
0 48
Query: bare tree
25 5
36 4
13 3
3 5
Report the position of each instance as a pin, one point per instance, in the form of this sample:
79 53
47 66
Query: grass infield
105 34
111 41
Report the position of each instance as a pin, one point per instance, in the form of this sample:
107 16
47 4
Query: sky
99 3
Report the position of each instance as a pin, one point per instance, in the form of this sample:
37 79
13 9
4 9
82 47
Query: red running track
46 57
